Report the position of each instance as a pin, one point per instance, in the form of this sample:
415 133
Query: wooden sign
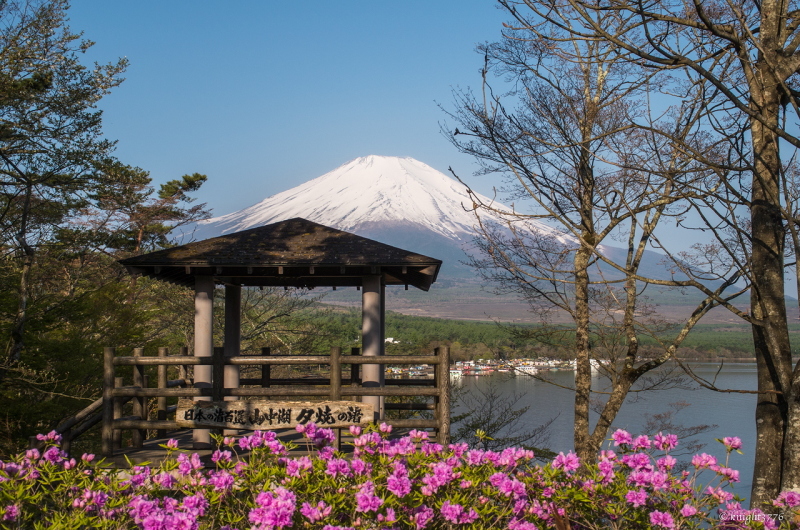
265 415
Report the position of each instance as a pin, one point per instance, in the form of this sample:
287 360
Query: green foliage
180 188
128 215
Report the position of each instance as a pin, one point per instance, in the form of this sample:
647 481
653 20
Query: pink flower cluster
387 482
167 513
275 509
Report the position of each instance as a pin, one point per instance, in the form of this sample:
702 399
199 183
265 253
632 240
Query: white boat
526 370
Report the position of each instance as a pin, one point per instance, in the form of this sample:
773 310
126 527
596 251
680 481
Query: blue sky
264 95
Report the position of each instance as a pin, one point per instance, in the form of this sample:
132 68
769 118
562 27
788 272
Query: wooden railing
337 387
74 426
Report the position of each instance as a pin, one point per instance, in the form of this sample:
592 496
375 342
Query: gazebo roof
292 253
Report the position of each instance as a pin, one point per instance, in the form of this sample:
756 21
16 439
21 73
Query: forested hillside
476 339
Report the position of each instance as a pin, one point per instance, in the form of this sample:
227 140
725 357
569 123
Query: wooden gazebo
292 253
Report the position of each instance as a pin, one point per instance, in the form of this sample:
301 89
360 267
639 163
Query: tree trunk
583 369
767 303
628 376
790 480
21 318
610 410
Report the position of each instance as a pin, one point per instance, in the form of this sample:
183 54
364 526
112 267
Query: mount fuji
401 202
398 201
408 204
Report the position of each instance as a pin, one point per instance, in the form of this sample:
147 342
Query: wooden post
162 400
371 341
233 341
336 374
108 401
218 376
442 374
266 370
355 377
233 334
139 403
183 373
203 346
117 435
336 387
382 399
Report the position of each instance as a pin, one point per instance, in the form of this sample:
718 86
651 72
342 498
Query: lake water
733 413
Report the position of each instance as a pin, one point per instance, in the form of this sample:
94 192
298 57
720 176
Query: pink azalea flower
422 515
703 460
665 442
218 455
165 480
621 437
275 508
417 435
788 499
636 497
296 465
732 443
661 519
11 513
719 494
666 463
338 466
366 499
315 513
456 513
570 462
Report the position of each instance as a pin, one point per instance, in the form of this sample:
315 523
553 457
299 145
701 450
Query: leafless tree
746 52
570 148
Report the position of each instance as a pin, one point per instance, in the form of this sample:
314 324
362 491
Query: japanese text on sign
261 415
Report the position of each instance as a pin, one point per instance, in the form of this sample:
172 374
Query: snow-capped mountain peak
368 190
399 201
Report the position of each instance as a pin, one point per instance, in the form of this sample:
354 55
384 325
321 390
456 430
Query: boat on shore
529 367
